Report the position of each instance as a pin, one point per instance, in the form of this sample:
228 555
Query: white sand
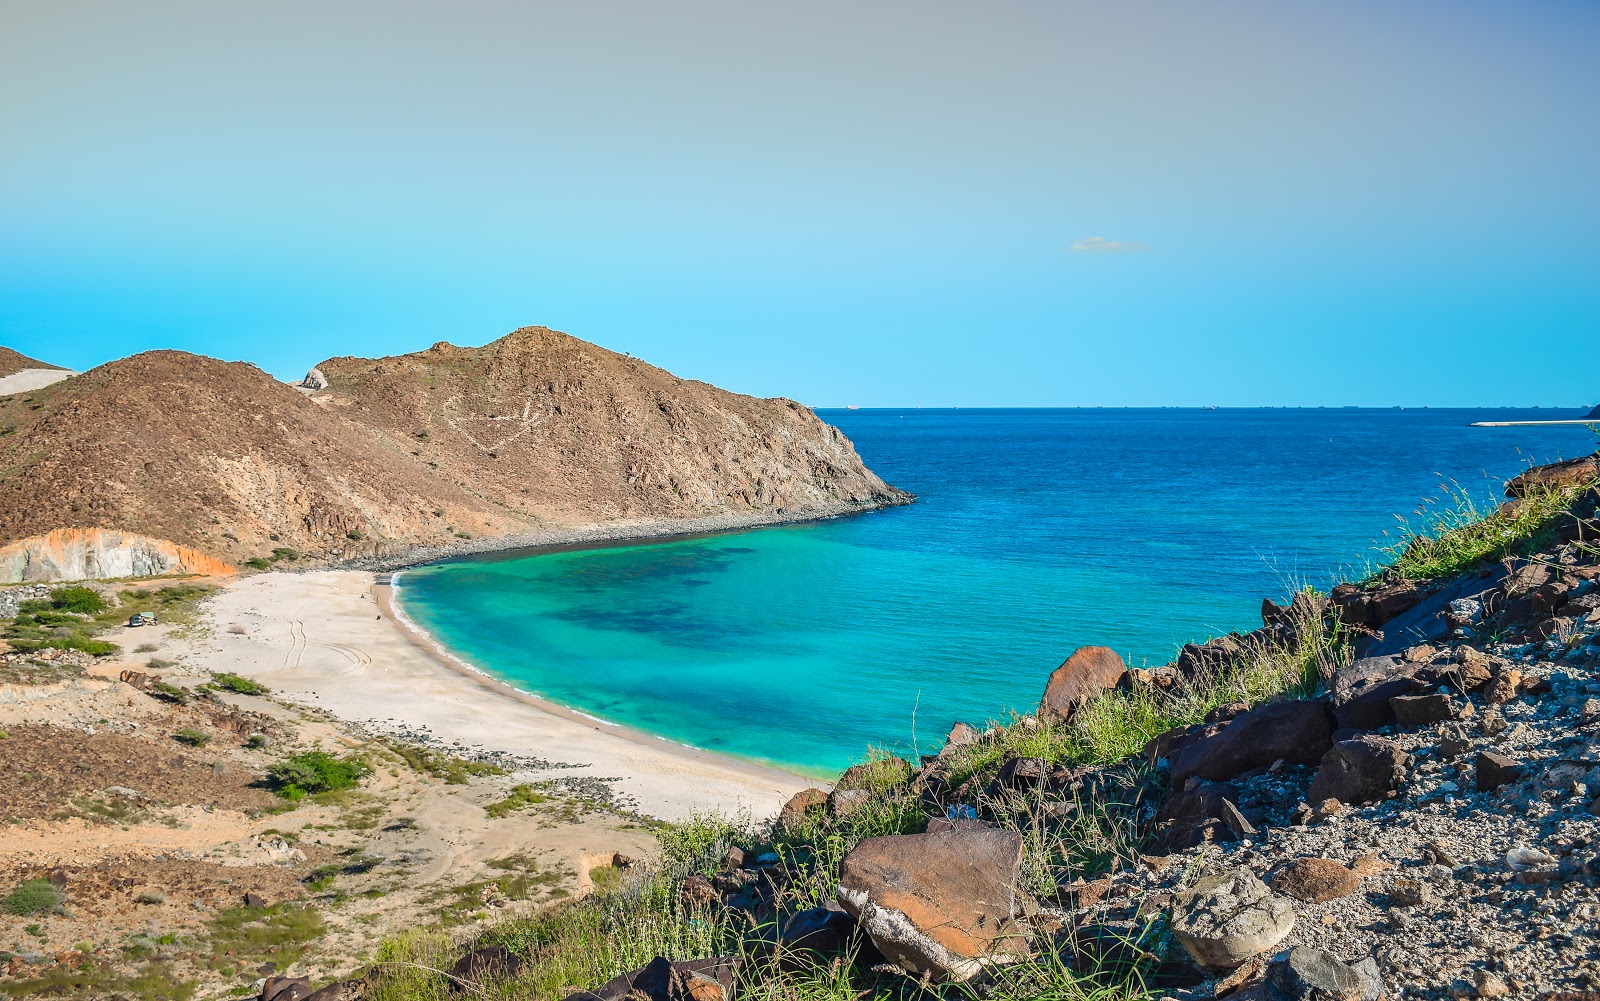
323 639
28 379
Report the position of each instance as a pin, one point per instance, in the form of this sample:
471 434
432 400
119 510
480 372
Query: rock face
534 431
1296 732
941 904
1224 920
1088 672
91 553
1360 771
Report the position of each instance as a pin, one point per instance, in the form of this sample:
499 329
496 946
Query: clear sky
1000 203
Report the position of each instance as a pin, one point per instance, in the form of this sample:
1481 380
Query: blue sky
878 204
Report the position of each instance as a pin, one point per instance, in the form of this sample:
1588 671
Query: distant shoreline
610 533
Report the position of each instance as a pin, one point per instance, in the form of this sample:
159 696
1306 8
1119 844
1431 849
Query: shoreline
388 607
601 534
332 640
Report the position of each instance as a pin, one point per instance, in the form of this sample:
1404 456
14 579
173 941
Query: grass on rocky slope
1458 533
580 944
72 616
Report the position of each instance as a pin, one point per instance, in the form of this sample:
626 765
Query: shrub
169 693
36 896
82 600
315 771
255 742
239 685
194 738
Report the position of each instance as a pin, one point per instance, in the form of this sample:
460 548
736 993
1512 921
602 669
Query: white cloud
1100 245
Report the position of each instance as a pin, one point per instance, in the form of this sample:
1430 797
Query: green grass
238 684
193 737
521 797
1456 533
36 896
72 616
278 934
454 771
315 772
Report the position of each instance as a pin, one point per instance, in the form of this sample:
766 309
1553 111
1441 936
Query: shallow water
1035 531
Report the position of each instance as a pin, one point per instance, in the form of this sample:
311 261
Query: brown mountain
12 362
537 430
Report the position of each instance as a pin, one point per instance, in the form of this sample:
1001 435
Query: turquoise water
1034 532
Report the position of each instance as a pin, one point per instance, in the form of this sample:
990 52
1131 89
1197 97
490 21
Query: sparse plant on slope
315 771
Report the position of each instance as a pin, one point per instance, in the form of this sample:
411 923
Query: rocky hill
534 431
12 362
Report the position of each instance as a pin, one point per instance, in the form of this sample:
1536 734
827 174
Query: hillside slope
12 362
536 430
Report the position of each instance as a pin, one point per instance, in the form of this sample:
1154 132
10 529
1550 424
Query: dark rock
1315 880
793 814
1425 622
491 962
1372 607
1555 475
1311 974
1214 655
1192 811
818 930
702 979
1294 732
286 989
254 900
1360 692
1495 770
1422 710
941 905
1022 773
1359 771
1090 671
344 990
1235 821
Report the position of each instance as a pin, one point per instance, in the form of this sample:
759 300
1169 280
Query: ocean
1034 532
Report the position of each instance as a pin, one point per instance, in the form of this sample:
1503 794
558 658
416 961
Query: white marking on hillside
524 422
31 378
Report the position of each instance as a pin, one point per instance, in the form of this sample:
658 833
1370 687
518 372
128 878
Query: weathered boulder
793 814
941 905
1192 811
1495 770
1422 710
492 962
1315 880
1359 692
1373 606
1555 476
663 980
1296 732
1198 659
286 989
818 930
1225 919
1081 677
1311 974
1360 771
961 735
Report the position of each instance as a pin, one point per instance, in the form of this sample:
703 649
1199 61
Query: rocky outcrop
97 554
1083 676
1226 919
941 905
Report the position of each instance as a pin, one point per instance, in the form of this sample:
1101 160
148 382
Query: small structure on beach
141 619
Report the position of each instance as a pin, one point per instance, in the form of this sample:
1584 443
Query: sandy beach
329 639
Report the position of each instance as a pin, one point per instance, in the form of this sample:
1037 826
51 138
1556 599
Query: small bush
239 685
146 648
194 738
520 798
81 600
170 693
36 896
258 563
315 771
255 742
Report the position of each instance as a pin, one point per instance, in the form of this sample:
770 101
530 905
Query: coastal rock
941 905
1224 920
1090 671
286 989
793 815
1294 732
1311 974
1360 771
1555 476
1412 711
1360 692
1192 812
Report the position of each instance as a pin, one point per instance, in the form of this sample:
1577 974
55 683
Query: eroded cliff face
98 553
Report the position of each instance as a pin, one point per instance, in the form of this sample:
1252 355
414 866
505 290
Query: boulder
1022 773
1315 880
663 980
1225 919
1193 811
961 735
1080 678
1359 692
793 814
940 905
1555 476
1295 732
1197 659
1372 607
1311 974
492 962
1360 771
1495 770
286 989
817 930
1412 711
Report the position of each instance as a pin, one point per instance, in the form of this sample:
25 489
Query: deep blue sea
1034 532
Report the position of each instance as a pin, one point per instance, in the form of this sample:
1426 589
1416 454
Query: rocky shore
1389 791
